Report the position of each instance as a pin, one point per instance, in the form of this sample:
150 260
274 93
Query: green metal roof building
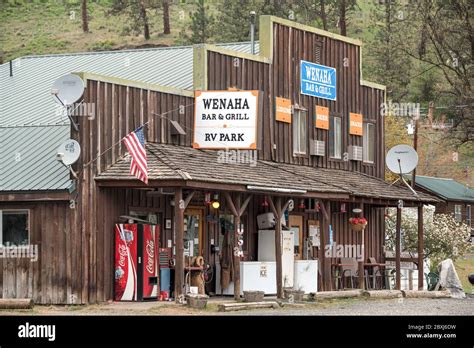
458 199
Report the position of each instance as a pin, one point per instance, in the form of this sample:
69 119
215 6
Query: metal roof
31 128
447 189
28 158
26 98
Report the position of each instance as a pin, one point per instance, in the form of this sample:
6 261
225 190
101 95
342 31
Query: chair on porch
377 276
350 271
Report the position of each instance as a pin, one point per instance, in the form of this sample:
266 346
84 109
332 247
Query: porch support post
277 211
326 271
362 245
237 210
236 273
179 207
397 248
420 248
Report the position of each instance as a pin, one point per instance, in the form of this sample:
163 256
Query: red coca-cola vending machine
136 262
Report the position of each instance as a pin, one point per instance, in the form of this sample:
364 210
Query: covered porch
315 203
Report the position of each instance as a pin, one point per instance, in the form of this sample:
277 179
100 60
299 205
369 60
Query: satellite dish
69 152
68 89
401 159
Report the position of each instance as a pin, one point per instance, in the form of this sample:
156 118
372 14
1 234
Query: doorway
296 225
193 226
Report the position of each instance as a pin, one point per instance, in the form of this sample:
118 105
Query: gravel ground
378 307
359 306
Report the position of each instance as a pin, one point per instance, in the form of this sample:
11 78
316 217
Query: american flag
135 143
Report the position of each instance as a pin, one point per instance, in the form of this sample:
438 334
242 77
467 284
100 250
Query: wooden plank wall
282 79
55 277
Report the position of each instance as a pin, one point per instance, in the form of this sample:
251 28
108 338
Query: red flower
363 221
355 221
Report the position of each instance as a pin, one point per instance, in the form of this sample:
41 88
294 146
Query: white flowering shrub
443 236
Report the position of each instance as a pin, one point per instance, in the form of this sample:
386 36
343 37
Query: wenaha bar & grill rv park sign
225 120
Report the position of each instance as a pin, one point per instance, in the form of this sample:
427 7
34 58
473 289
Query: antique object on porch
197 279
197 301
358 224
253 296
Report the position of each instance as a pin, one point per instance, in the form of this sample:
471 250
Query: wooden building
455 198
326 154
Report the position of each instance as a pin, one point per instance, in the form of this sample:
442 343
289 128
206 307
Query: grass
53 26
464 267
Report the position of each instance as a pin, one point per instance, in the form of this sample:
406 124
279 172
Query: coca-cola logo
150 251
122 249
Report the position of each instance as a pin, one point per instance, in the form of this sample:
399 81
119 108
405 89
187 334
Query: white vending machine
266 252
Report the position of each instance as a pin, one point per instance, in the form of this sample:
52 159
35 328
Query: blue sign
331 240
318 80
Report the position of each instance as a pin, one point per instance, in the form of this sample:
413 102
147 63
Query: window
458 212
335 137
300 121
14 227
369 142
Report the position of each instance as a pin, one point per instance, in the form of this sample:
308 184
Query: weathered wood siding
56 277
282 79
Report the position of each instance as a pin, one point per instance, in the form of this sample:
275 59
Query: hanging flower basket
358 224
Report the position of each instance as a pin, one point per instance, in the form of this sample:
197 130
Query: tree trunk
85 20
342 17
323 15
144 17
166 17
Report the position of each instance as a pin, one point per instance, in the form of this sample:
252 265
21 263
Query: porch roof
177 163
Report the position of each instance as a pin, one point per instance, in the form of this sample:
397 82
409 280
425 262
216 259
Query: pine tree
201 24
136 10
85 19
389 65
166 17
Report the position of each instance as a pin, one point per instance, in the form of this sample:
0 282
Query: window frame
456 214
365 142
28 223
297 131
332 129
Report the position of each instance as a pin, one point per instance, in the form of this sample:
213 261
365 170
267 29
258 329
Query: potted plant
358 224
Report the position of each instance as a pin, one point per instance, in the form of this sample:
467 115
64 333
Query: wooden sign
322 117
283 109
225 120
355 124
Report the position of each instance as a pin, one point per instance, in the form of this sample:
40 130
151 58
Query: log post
397 248
277 212
236 274
420 248
362 246
179 206
326 264
237 210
